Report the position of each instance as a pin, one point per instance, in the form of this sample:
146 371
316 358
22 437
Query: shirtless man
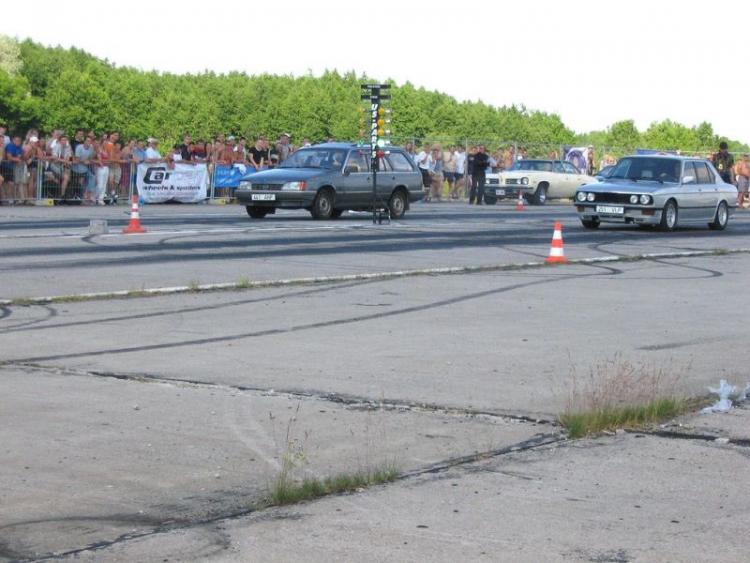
743 180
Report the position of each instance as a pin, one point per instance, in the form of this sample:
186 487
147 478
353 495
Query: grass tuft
287 491
243 283
586 423
619 394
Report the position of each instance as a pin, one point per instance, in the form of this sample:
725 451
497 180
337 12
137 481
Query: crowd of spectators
99 168
96 169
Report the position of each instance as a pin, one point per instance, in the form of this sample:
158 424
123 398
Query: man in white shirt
460 158
152 150
422 160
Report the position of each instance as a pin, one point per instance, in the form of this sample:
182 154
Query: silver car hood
629 186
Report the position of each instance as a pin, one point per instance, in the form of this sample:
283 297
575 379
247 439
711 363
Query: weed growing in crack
288 488
243 283
619 394
194 286
289 492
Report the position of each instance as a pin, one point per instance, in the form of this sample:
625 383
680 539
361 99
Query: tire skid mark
304 327
29 325
152 314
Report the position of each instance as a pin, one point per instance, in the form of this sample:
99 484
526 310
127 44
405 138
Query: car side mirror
688 180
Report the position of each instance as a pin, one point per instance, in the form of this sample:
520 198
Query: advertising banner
158 183
227 176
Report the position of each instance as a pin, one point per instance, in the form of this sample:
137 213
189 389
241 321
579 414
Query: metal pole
39 176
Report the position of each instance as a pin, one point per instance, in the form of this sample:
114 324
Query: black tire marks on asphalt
315 325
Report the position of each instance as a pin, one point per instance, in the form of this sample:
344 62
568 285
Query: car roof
666 156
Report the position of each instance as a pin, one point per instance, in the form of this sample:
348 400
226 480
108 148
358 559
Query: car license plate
610 209
499 192
264 197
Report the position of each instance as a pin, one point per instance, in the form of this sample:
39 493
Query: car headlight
590 196
246 185
294 186
633 198
525 181
581 196
645 199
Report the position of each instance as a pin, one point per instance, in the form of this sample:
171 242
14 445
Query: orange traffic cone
134 226
557 251
519 203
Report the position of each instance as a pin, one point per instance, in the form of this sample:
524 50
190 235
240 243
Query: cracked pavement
149 429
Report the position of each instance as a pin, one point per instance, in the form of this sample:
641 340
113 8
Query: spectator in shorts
115 169
459 156
60 165
82 168
743 180
14 169
435 165
33 156
449 171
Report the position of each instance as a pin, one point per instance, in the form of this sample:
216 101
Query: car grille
267 187
607 197
511 181
493 181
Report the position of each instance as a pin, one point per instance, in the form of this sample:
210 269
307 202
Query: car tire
540 195
397 204
257 212
721 218
590 223
669 216
322 207
490 200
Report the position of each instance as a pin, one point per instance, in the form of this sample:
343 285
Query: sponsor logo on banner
186 183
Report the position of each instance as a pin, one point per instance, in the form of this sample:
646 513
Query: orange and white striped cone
557 251
519 203
134 226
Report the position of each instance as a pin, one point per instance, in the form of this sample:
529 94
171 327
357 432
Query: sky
592 63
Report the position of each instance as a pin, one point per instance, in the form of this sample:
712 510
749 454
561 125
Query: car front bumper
638 214
277 198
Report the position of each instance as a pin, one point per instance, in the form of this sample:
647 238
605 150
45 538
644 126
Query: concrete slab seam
346 400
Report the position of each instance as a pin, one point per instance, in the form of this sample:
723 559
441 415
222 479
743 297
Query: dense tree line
68 88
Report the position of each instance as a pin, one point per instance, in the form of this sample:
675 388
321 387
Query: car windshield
647 169
330 159
539 165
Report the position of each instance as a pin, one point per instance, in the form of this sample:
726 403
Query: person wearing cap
152 150
32 156
724 162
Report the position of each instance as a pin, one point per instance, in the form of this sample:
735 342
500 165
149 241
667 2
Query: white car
537 180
